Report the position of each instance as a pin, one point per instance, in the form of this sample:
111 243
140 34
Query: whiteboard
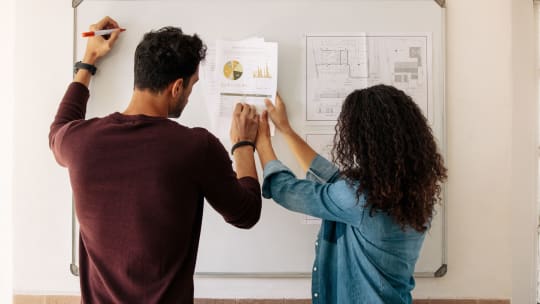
282 243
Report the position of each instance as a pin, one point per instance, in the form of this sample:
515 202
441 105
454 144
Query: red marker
101 32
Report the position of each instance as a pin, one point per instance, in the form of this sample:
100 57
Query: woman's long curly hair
384 142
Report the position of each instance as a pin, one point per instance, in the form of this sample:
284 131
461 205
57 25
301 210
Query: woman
376 208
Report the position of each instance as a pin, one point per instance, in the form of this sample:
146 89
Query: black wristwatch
85 66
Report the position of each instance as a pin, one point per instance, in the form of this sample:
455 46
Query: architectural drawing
340 64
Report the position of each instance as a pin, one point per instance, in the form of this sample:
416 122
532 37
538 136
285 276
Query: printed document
339 64
238 71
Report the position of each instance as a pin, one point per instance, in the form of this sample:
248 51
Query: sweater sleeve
237 200
72 108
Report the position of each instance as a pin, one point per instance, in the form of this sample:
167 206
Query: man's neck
144 102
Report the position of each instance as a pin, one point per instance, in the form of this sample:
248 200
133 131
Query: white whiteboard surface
281 244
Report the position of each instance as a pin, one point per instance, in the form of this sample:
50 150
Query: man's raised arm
73 105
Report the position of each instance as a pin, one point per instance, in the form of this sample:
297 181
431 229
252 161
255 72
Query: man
139 179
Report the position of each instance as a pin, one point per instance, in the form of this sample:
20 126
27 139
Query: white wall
42 214
489 116
479 129
7 54
524 153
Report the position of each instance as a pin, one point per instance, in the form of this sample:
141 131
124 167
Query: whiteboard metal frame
444 267
74 267
441 3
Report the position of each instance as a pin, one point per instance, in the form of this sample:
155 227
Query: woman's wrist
265 151
286 130
266 156
263 145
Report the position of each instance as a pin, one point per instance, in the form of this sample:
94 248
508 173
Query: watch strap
85 66
241 144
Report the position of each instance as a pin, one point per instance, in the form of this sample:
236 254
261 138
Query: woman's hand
263 142
301 150
278 114
263 135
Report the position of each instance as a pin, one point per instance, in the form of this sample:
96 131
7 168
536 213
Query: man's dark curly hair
383 142
166 55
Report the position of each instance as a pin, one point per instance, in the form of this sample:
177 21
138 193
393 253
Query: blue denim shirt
359 258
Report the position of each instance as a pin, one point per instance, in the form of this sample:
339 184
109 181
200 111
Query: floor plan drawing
336 65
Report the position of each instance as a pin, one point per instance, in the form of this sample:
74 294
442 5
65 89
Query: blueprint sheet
338 64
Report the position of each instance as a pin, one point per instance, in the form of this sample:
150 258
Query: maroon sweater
139 184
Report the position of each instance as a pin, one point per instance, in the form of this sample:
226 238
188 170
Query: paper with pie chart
245 71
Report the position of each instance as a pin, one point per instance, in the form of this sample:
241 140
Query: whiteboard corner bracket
441 271
75 3
74 269
441 3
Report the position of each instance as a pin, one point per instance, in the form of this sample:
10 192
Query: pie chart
233 70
